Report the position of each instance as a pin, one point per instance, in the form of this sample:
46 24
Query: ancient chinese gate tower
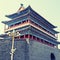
42 41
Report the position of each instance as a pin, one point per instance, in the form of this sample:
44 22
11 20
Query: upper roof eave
43 19
5 22
15 15
12 16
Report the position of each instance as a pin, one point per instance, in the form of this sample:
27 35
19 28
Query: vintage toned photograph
29 29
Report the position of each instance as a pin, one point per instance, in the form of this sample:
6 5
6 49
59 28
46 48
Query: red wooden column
28 36
28 21
19 37
24 36
36 39
32 37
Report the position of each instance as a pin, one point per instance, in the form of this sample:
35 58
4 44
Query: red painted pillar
32 37
24 37
19 37
28 36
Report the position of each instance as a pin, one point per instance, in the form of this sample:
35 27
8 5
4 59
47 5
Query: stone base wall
24 51
39 51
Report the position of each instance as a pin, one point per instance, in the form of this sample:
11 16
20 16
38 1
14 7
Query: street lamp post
12 49
13 35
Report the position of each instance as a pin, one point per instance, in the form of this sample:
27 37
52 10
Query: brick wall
33 51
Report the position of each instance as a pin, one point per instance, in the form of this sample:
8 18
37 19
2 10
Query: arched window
52 56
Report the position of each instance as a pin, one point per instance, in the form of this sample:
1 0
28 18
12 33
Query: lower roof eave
58 42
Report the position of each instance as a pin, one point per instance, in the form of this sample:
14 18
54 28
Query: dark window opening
52 56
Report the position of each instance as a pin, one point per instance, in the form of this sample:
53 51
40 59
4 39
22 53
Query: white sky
49 9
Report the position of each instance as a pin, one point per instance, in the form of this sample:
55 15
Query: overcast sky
49 9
